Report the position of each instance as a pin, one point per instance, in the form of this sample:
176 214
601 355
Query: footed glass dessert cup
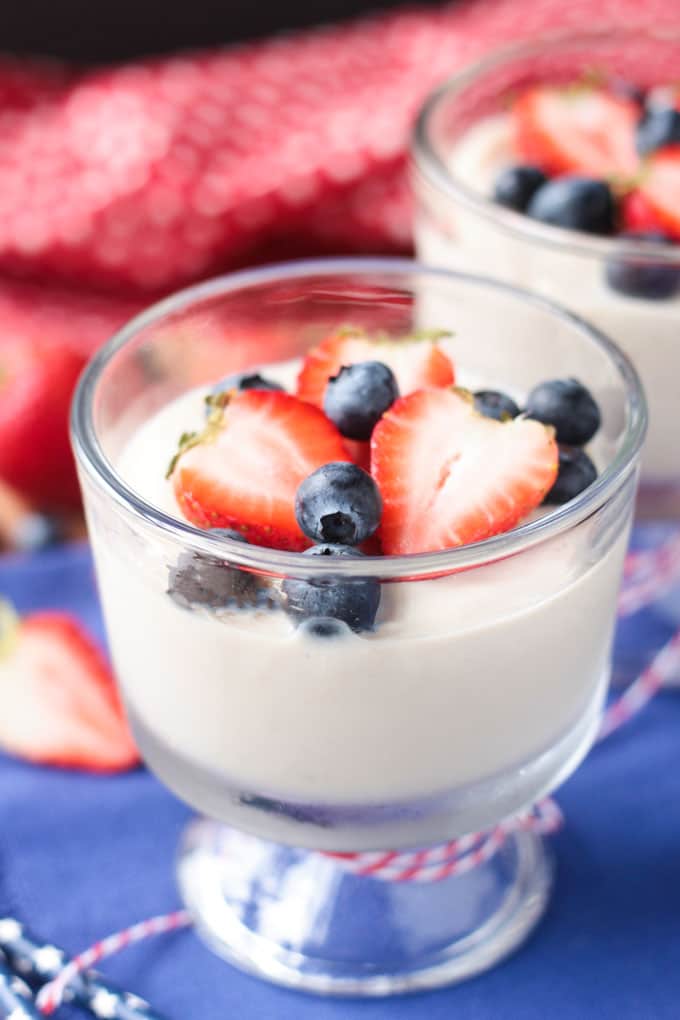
463 137
479 689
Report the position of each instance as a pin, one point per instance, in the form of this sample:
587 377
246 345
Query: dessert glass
479 690
458 226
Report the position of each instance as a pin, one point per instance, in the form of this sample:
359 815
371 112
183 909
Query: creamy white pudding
466 679
453 235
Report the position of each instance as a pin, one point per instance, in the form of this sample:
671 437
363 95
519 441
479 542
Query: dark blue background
82 856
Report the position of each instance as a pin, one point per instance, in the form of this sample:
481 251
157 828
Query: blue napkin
82 856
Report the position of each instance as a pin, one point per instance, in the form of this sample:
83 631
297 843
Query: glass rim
435 171
91 458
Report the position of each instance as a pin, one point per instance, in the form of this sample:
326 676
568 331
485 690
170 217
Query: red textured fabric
117 185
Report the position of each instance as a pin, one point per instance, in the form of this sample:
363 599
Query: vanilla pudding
458 684
479 684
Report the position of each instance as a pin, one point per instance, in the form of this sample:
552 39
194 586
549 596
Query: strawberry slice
59 702
659 190
450 476
576 130
244 469
415 362
360 452
37 379
637 214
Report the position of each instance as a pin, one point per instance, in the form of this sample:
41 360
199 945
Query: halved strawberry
244 470
416 362
59 702
576 130
450 476
660 189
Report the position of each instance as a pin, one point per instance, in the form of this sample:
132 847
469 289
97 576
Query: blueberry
496 405
201 580
245 381
338 503
358 396
516 185
576 473
640 277
578 203
657 127
328 603
568 406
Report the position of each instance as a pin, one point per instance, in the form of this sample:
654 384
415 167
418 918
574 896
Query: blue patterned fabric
82 856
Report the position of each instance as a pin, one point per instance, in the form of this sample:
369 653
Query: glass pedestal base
299 919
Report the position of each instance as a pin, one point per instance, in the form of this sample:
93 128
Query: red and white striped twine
664 667
52 994
648 575
453 858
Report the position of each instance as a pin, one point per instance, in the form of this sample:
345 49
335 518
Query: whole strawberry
37 379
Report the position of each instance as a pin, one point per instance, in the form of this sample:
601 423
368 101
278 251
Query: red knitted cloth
117 185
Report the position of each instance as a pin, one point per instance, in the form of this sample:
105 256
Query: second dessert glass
458 226
479 690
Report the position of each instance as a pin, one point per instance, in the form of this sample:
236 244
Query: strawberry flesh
659 191
576 130
415 362
246 474
360 452
449 476
637 214
59 702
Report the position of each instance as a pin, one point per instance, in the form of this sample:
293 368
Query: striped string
649 575
459 856
51 995
456 857
664 667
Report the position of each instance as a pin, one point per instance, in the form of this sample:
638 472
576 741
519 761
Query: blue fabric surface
83 856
